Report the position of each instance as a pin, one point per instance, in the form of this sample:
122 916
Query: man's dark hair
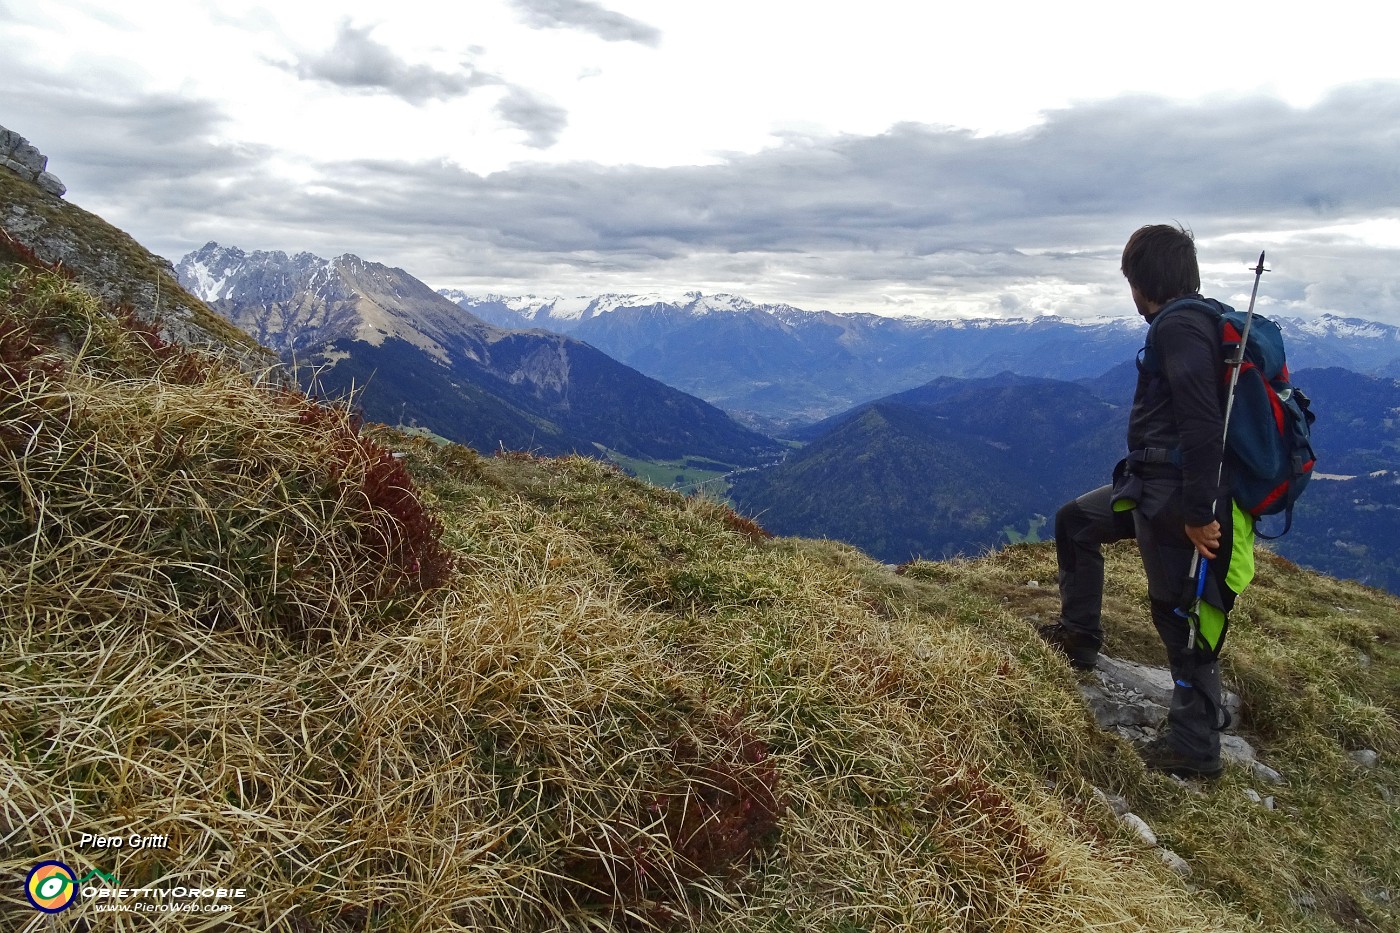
1160 262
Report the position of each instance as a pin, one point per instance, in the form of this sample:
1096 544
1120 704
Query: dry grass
624 710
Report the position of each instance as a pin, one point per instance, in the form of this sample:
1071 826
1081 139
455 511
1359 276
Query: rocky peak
303 301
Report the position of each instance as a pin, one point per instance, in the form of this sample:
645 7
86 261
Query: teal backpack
1269 442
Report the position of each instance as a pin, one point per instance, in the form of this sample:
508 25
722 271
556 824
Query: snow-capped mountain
1351 343
1334 326
533 307
412 355
297 303
779 364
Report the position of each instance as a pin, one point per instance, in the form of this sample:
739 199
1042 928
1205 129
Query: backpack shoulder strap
1147 357
1208 306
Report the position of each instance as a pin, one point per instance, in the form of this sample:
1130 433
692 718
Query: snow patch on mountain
209 286
1331 325
539 310
210 273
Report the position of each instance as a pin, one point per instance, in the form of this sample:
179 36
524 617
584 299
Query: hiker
1171 495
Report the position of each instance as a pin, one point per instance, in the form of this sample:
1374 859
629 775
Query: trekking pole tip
1259 269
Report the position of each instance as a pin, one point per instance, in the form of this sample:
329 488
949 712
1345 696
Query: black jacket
1180 406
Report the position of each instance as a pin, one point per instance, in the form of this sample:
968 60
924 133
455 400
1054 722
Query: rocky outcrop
108 262
21 157
1131 701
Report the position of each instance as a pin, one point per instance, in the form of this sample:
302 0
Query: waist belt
1155 455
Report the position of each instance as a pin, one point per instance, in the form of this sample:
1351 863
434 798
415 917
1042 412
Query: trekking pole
1196 576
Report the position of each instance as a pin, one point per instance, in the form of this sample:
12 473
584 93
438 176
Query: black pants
1082 527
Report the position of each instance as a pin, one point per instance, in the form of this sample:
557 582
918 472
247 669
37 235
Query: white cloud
588 16
541 121
356 61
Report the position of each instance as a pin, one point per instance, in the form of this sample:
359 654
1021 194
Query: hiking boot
1082 651
1161 755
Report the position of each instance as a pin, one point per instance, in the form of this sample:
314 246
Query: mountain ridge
1022 446
786 367
952 468
350 323
116 268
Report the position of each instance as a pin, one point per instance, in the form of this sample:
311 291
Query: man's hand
1205 537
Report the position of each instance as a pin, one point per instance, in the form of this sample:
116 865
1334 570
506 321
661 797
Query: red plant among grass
406 537
723 808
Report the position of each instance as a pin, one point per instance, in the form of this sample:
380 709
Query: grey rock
21 157
1365 757
31 158
1131 699
50 183
1117 804
1264 773
1154 683
1137 735
1175 862
1234 748
1114 706
1139 826
1268 803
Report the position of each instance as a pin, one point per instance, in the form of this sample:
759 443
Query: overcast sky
880 156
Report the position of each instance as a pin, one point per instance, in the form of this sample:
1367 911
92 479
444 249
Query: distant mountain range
412 356
960 466
776 367
952 467
1348 522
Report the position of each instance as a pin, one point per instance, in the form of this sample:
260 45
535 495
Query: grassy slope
624 707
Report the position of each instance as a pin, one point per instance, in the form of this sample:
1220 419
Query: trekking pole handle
1235 363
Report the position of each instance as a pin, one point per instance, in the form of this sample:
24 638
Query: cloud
916 190
949 218
919 218
541 120
128 139
590 17
357 62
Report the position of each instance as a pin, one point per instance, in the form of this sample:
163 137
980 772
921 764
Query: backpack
1268 442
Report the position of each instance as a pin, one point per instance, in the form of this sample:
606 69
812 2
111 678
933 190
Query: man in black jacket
1168 494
